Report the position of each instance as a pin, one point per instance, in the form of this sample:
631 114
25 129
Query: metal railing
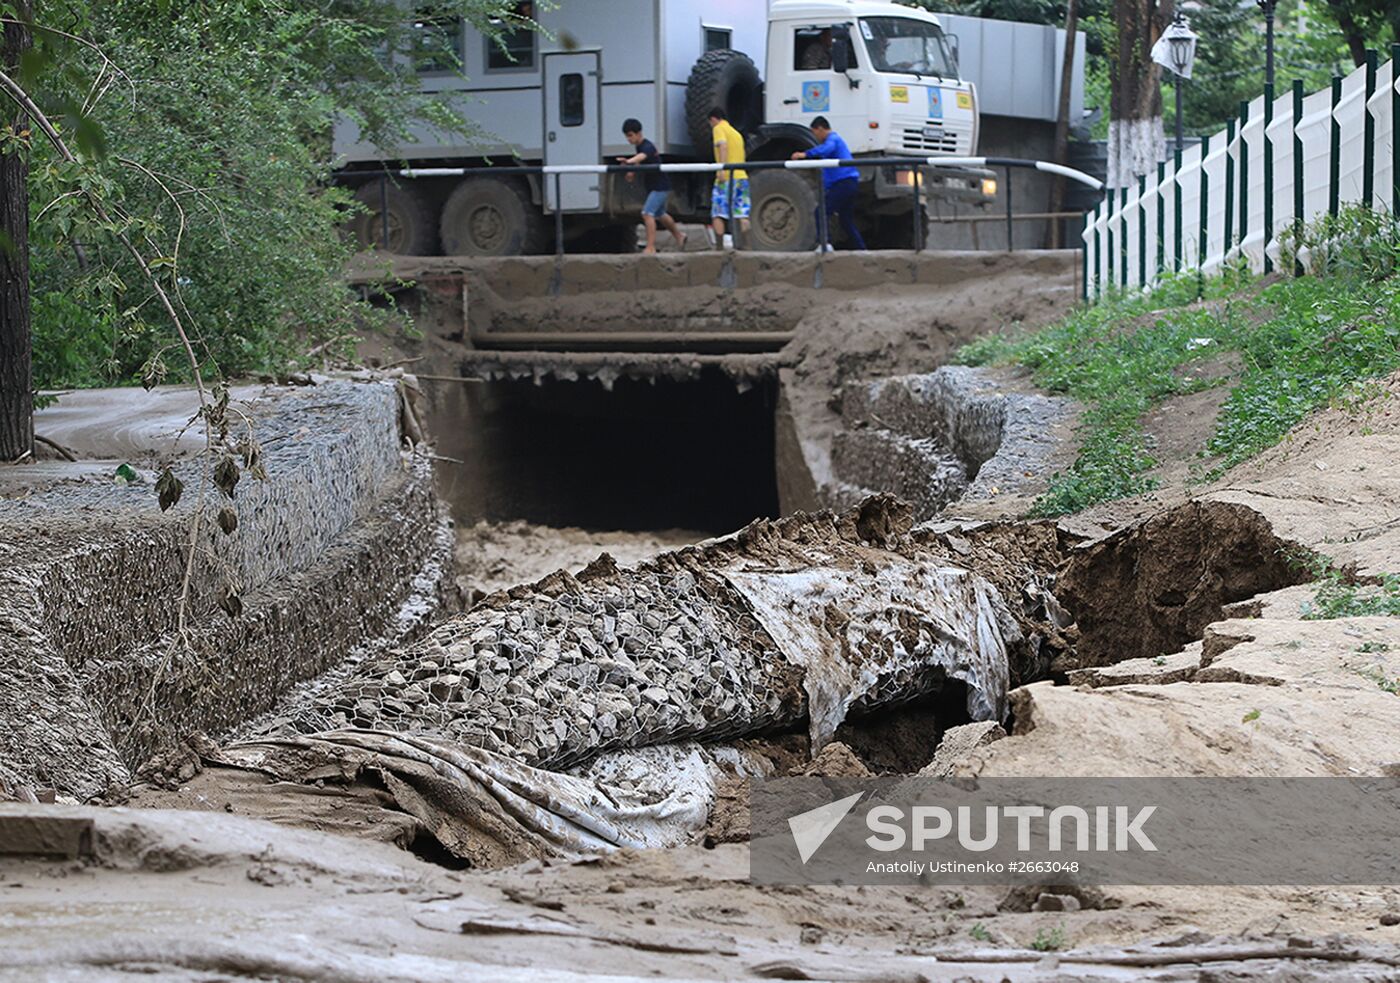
914 164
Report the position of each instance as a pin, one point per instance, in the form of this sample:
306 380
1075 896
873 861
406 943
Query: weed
1250 717
1373 647
1049 941
1390 684
1304 343
1161 660
980 933
1339 595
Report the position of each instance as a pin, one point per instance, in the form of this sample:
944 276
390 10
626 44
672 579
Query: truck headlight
989 187
903 178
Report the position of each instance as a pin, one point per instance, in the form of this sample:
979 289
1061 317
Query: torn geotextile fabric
492 811
867 637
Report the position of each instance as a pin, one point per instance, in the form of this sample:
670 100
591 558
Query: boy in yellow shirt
729 149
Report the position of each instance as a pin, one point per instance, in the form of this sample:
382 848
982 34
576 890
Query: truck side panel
507 104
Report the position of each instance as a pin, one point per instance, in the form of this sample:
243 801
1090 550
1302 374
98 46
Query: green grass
1302 343
1049 941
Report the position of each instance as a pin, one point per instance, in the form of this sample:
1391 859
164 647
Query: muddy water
495 555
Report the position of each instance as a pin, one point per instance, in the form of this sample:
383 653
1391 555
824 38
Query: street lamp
1268 7
1176 49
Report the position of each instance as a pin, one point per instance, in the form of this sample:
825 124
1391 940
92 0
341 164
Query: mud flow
522 617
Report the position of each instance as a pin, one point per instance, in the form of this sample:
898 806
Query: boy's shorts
719 199
656 203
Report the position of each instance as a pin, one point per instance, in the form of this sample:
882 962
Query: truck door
811 88
572 128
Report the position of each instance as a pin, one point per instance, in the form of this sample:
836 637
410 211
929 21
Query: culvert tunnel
638 454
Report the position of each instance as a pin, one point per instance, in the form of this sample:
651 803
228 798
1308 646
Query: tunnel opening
638 455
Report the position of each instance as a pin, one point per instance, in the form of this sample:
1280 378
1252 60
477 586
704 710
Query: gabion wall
557 672
324 554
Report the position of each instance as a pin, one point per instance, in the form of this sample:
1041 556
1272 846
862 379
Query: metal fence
1283 162
557 172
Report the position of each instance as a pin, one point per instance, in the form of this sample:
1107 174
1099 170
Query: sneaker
728 241
825 248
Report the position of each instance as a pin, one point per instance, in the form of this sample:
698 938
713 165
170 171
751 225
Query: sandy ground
492 556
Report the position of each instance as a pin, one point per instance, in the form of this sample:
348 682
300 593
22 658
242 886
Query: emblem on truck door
899 93
816 97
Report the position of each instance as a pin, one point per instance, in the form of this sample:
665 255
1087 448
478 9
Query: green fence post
1297 175
1176 214
1268 176
1334 152
1244 176
1161 218
1394 131
1142 232
1229 191
1368 143
1205 206
1123 236
1110 254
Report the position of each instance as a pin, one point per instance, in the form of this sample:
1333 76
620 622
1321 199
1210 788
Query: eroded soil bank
1170 637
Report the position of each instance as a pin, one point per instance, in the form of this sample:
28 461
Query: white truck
885 75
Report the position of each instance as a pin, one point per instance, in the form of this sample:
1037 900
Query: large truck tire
784 215
411 226
728 79
487 216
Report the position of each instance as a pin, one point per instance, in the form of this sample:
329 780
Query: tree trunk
16 372
1061 156
1136 139
1351 31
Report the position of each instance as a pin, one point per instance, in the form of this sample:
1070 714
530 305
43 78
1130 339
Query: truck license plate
933 133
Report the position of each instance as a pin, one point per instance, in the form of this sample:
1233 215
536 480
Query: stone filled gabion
556 675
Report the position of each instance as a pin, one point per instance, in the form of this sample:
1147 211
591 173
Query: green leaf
168 489
1249 717
126 475
228 520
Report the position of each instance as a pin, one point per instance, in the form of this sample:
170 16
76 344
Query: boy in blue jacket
840 183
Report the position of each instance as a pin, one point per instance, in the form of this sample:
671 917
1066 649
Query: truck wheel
411 231
727 79
486 216
784 215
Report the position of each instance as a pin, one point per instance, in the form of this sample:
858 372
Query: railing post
1176 213
1161 218
823 220
1204 247
1268 176
1142 232
1368 152
1244 177
918 213
1123 236
1334 152
384 208
558 216
1229 241
1010 228
1297 176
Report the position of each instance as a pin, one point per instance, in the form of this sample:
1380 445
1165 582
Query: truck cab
899 92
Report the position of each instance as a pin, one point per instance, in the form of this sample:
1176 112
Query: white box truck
885 75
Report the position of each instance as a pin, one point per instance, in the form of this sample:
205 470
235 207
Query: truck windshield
902 44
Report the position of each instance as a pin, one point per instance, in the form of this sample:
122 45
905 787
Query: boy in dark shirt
656 183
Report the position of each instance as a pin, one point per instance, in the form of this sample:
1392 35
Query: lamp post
1268 7
1176 49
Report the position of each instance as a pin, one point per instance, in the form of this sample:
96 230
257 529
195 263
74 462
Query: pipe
728 341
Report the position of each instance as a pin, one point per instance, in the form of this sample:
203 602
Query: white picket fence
1234 194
